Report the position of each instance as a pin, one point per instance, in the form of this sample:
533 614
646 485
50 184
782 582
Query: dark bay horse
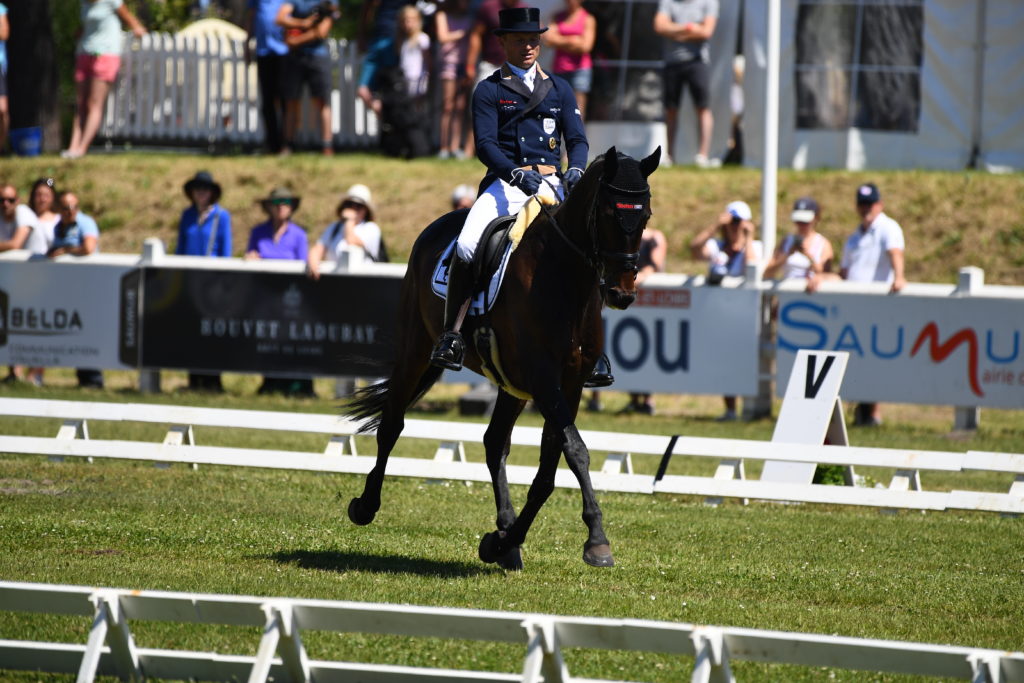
547 331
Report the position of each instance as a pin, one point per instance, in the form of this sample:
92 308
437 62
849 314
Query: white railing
111 649
340 456
200 91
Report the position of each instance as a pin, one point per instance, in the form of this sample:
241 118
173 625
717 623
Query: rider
520 115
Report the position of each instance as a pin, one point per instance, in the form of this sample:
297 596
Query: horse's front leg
497 443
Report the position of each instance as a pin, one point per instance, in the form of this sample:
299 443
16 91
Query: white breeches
499 199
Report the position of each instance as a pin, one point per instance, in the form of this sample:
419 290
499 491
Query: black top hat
202 179
519 20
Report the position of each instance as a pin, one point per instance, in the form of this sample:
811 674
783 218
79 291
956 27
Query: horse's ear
650 164
611 163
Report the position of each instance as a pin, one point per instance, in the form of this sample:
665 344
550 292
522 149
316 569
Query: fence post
760 405
970 281
152 253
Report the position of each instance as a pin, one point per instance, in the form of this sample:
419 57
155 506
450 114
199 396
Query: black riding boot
450 349
602 374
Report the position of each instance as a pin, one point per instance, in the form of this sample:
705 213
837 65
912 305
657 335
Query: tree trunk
32 70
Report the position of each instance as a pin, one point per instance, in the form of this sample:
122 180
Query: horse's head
621 209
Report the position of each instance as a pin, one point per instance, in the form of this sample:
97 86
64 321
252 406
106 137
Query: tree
33 88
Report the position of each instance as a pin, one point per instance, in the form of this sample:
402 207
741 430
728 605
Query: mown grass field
935 577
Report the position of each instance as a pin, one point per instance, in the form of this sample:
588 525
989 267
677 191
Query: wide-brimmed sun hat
202 179
280 195
359 194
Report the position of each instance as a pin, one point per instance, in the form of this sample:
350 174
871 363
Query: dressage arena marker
905 490
111 650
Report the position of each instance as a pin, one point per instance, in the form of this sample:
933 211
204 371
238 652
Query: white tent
944 91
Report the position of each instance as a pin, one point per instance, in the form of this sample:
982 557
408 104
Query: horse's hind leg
411 377
497 443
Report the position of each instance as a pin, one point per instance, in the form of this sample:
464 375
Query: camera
798 242
325 10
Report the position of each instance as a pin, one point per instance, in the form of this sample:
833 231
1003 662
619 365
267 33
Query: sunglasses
65 207
9 200
281 202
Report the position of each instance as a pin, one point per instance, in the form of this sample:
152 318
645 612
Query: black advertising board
271 323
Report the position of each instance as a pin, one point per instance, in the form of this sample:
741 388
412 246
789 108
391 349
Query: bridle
628 208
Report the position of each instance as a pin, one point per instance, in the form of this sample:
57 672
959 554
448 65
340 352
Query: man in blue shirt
306 24
520 116
75 233
261 22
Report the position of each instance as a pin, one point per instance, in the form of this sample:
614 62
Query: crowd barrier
281 655
954 345
340 455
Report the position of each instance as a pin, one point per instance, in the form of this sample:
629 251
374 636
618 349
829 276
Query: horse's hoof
599 556
488 550
512 560
358 514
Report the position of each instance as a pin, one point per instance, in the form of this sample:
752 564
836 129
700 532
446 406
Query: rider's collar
520 72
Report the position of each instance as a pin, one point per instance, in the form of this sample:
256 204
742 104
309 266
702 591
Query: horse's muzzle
618 298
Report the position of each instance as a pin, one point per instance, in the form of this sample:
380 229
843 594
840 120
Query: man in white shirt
17 221
873 253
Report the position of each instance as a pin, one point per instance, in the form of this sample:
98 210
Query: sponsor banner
686 340
60 314
266 322
961 351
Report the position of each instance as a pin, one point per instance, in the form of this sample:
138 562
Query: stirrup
449 351
602 374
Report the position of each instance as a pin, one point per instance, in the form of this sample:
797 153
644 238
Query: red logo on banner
939 352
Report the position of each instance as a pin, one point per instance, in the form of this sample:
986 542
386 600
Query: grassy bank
951 219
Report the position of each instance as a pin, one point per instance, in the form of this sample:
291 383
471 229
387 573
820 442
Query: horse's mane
628 176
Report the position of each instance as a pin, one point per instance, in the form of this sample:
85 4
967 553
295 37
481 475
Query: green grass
938 577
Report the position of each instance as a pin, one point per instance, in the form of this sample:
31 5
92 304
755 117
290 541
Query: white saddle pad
484 299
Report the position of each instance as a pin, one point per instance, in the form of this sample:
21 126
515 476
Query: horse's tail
368 403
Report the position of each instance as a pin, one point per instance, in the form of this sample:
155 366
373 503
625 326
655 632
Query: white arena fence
281 656
905 490
200 91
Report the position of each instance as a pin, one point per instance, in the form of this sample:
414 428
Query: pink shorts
103 67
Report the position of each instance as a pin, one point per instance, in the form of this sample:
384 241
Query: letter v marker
812 382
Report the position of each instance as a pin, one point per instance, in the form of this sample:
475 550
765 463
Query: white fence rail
177 90
111 648
340 455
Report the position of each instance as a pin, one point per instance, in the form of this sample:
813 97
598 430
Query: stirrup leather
602 374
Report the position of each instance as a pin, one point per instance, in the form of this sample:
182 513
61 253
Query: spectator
572 35
96 65
379 45
76 234
805 254
873 253
402 90
43 202
484 54
204 230
734 155
17 224
5 116
728 255
279 238
354 228
271 52
463 197
306 24
687 26
453 26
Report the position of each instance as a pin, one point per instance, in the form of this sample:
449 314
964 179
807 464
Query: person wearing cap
521 114
354 228
873 253
278 237
204 230
463 197
728 254
806 253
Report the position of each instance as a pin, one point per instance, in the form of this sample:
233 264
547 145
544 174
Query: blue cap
868 194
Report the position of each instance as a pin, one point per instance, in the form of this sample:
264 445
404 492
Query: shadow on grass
338 561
